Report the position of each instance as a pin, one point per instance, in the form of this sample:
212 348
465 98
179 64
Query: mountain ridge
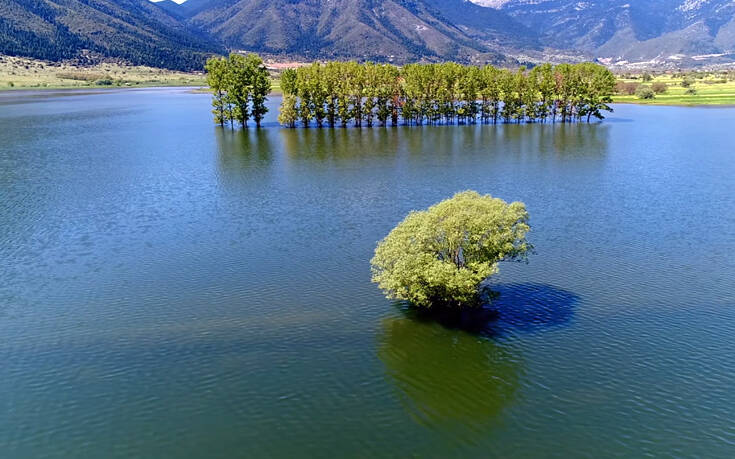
136 31
620 31
682 33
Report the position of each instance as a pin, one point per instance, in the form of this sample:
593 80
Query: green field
710 91
22 73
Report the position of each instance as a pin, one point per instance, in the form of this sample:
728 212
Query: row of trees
349 93
240 86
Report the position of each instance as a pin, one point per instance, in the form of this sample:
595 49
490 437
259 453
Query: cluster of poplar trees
349 93
240 87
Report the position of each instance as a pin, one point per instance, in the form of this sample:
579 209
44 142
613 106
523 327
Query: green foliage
645 93
691 92
216 69
240 86
350 93
647 77
288 115
440 256
11 84
687 82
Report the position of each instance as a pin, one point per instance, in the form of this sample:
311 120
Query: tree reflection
340 144
244 146
447 376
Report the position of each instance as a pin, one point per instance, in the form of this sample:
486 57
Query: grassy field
709 91
22 73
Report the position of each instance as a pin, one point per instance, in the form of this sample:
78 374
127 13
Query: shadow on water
528 307
447 379
531 307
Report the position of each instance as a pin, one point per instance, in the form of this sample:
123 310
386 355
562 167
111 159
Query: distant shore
18 73
696 89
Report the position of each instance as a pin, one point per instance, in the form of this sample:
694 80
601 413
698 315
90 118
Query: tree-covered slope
137 31
397 30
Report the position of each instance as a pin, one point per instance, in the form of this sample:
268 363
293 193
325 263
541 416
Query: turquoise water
172 289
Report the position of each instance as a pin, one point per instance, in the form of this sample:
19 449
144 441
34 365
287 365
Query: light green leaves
440 256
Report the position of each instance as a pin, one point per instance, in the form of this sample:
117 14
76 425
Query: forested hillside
399 30
681 33
136 31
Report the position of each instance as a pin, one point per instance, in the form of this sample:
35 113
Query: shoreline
664 104
202 89
93 88
193 89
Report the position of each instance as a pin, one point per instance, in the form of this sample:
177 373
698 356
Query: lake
169 288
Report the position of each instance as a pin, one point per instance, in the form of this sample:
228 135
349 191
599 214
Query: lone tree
645 93
440 256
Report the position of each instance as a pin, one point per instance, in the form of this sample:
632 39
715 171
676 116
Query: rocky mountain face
631 31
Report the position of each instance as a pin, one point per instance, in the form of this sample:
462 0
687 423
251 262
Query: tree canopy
441 256
240 86
345 93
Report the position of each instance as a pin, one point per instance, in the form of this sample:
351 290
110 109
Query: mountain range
168 34
628 31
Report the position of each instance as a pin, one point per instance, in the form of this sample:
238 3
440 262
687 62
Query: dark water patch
532 307
528 308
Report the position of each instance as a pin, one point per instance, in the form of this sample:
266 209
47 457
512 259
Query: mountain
166 34
397 30
137 31
627 31
171 7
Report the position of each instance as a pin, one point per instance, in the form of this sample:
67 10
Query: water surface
172 289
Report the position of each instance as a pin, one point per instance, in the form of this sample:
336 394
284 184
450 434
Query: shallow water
172 289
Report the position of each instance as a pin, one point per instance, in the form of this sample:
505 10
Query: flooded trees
348 93
240 86
440 256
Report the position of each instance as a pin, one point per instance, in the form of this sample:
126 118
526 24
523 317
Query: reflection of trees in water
243 147
449 368
447 376
340 144
531 140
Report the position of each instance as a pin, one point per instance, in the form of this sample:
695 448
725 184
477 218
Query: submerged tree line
349 93
240 87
